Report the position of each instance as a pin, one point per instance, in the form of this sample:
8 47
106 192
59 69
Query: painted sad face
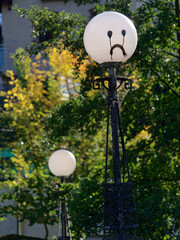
120 46
110 37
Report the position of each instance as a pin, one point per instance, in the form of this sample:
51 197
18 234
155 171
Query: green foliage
86 203
63 28
154 107
158 44
22 64
83 114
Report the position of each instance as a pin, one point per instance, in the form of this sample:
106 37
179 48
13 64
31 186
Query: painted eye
109 33
123 32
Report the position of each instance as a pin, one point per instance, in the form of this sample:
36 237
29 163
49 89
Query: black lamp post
110 38
62 163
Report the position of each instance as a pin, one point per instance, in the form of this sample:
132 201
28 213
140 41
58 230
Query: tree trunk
46 230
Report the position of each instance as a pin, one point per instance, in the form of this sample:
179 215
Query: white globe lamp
62 163
110 37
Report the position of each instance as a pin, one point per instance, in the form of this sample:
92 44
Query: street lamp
62 163
110 38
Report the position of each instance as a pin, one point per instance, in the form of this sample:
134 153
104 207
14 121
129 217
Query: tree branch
167 85
171 54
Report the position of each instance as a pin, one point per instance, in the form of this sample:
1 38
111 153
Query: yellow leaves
10 104
38 90
20 163
6 105
44 62
9 92
143 135
54 50
13 184
34 65
62 64
135 79
83 68
20 167
20 179
10 74
38 56
14 123
31 106
21 97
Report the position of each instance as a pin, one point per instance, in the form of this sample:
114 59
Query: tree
157 102
26 177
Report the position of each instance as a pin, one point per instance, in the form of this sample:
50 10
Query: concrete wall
37 230
10 225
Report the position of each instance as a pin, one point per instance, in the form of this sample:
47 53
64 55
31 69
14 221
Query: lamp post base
64 238
127 237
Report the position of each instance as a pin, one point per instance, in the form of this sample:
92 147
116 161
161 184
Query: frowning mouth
110 33
118 46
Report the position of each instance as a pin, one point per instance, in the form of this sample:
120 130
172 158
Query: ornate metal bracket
97 83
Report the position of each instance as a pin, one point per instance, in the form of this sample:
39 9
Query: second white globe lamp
62 163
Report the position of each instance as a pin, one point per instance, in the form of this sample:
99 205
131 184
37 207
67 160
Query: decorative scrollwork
128 84
97 83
